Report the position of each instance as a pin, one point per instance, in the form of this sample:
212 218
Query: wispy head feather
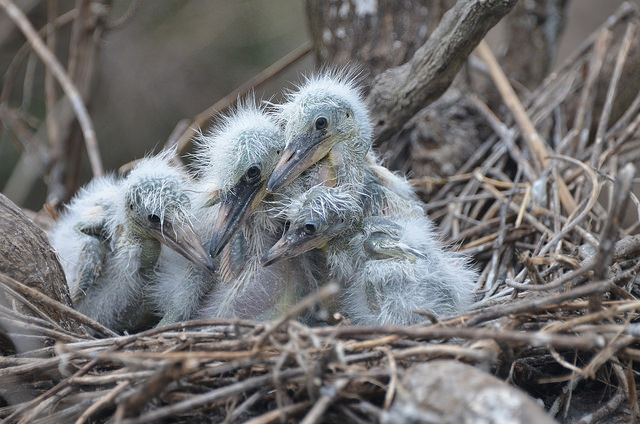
329 205
245 136
155 187
335 87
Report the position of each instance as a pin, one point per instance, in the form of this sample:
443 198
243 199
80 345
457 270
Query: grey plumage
110 236
389 268
238 216
180 285
327 126
247 168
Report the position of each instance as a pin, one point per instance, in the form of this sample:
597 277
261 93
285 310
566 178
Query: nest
552 225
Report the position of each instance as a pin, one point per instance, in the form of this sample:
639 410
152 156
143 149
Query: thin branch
529 132
65 82
134 6
45 300
603 123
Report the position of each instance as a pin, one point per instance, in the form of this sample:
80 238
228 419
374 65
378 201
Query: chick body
110 236
240 157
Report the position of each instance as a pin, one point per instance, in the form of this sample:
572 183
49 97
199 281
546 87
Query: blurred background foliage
174 58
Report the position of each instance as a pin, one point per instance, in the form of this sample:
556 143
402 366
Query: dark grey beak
300 153
184 240
235 206
292 245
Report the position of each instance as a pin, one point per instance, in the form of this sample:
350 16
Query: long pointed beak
235 207
300 153
279 251
290 246
400 251
184 240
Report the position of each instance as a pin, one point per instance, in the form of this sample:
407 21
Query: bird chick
328 132
110 236
390 268
325 118
233 162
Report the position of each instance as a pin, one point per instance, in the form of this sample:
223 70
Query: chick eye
253 171
154 219
310 228
321 123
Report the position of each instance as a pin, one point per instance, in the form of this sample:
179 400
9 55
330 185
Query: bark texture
27 256
373 35
532 36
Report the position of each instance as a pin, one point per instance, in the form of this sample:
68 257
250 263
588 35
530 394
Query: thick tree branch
401 92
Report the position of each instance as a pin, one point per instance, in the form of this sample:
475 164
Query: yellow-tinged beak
213 199
292 244
300 153
183 239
